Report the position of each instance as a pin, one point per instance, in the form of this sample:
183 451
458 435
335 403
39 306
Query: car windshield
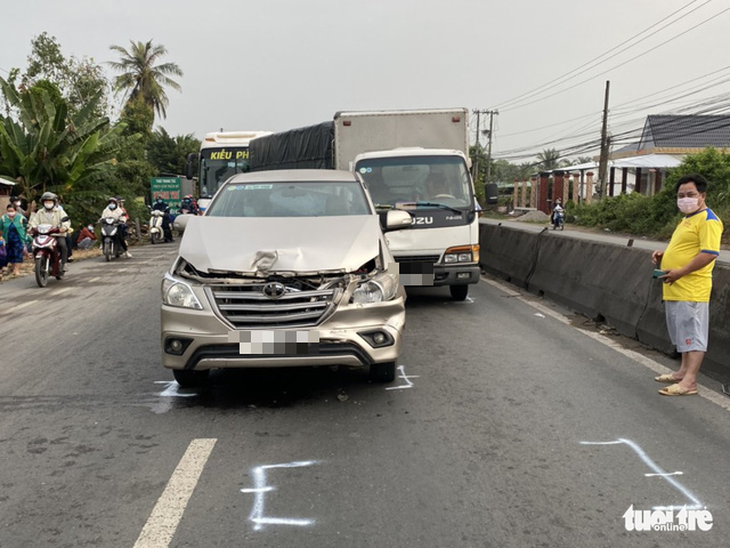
290 199
425 180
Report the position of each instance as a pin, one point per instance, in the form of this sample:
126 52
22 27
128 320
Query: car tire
190 379
382 372
459 292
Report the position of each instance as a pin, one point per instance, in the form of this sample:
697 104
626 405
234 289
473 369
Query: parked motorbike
47 254
155 226
558 219
110 243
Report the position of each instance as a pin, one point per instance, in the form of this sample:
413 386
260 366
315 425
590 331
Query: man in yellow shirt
687 264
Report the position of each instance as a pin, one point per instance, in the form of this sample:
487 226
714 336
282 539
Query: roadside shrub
657 216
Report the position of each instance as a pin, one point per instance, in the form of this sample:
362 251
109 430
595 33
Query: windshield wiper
383 206
432 204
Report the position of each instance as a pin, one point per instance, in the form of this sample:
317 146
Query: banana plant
46 148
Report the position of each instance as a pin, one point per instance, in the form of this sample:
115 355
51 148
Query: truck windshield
217 165
290 199
417 179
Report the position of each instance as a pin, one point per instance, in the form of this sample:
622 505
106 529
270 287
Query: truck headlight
462 254
382 287
178 293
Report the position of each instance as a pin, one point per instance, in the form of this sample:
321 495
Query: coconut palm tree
141 78
549 159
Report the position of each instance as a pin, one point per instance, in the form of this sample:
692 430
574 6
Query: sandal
676 390
668 378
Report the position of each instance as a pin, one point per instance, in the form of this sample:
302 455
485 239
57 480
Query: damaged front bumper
346 333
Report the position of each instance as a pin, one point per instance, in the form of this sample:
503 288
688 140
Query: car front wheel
382 372
190 379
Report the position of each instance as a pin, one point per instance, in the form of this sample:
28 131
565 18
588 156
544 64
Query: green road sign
167 188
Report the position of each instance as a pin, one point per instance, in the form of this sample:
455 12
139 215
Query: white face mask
11 214
91 228
688 205
48 205
112 206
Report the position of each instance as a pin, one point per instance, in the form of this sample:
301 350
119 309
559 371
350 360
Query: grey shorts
688 324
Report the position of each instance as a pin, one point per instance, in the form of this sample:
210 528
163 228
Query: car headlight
178 293
382 287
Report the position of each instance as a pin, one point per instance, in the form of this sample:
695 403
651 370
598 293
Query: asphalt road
489 441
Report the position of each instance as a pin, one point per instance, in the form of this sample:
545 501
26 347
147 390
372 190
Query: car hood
285 245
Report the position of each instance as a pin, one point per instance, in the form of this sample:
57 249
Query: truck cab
435 187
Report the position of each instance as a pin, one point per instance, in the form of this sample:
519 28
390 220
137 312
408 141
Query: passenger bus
222 155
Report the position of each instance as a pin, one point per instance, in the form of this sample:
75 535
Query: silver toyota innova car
286 268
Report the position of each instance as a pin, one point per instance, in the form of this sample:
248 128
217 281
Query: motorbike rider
125 227
189 205
161 205
557 210
50 214
116 212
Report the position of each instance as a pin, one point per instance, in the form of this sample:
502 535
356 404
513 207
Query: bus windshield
417 180
217 165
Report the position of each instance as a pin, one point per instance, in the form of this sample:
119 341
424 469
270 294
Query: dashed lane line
167 513
655 366
56 292
19 307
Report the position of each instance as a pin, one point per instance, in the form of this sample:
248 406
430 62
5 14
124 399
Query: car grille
246 306
417 259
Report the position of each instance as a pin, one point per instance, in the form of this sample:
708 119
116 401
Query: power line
531 92
522 104
620 110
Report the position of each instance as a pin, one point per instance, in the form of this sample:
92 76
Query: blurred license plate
266 342
415 273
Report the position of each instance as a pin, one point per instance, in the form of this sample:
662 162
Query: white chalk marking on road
468 300
257 512
717 399
667 474
539 315
658 472
167 513
172 390
405 377
94 280
259 490
19 306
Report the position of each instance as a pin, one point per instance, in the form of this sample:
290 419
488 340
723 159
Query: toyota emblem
274 290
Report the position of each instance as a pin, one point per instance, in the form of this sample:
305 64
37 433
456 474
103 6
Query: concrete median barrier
606 282
507 253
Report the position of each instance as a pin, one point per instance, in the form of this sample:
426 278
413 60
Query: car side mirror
397 219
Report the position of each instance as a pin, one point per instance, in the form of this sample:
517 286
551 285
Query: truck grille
247 306
417 259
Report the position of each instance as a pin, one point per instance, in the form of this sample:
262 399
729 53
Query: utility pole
475 167
489 143
603 160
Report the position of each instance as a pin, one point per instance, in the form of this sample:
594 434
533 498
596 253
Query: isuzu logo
274 290
422 220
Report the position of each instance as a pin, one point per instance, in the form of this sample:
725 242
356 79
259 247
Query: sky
278 64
